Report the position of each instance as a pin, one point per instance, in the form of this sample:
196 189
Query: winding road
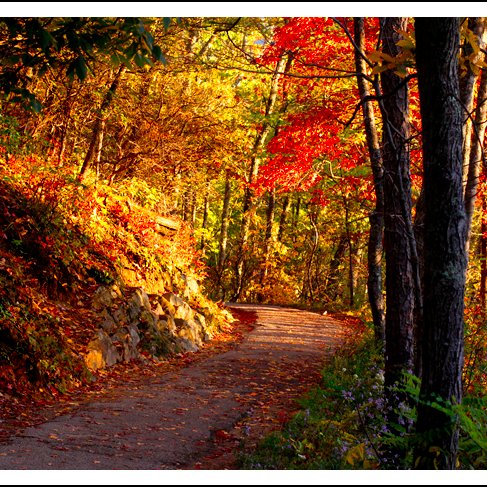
196 417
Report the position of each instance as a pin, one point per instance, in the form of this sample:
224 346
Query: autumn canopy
331 163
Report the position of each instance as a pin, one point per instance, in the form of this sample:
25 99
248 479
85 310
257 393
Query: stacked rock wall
159 324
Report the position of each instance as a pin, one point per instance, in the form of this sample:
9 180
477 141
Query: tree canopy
335 163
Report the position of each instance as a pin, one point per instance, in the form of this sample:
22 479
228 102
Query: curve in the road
173 421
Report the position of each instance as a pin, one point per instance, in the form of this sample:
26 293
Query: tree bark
351 287
283 218
313 217
476 153
222 248
332 279
376 218
400 290
204 222
467 83
418 229
270 213
444 238
483 258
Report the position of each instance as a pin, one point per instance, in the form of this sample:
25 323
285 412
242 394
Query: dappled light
194 416
243 242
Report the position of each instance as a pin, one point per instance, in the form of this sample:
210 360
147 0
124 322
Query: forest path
195 417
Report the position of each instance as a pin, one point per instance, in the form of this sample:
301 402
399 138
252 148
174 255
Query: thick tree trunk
376 218
444 238
400 283
418 229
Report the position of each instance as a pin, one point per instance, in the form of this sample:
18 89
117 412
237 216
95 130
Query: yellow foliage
357 453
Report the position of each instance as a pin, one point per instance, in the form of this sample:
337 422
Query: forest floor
196 411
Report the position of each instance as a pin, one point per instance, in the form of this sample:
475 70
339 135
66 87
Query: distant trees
249 130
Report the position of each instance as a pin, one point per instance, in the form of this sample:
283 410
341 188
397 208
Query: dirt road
196 417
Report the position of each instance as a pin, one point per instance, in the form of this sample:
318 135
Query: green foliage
140 191
343 425
333 430
31 46
471 417
472 414
12 140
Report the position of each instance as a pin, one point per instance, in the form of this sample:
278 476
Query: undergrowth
61 239
342 424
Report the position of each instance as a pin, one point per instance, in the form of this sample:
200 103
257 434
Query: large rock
101 352
173 299
148 318
109 323
176 306
137 303
104 297
185 345
191 287
126 340
184 312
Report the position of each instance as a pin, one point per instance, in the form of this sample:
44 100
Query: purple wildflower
348 395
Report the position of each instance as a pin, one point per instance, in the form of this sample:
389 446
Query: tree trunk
259 144
99 147
270 213
332 280
313 217
444 238
282 220
483 258
204 223
376 218
193 207
467 83
295 217
100 123
418 229
222 248
476 153
397 213
351 287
